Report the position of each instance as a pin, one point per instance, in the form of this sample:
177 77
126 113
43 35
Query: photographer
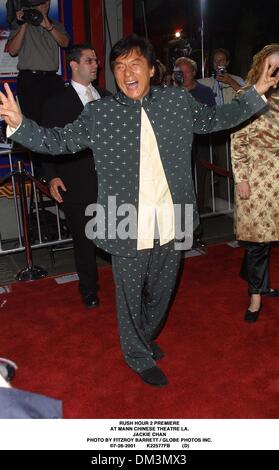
35 39
223 84
225 87
184 73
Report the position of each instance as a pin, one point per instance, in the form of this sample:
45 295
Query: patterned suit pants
144 287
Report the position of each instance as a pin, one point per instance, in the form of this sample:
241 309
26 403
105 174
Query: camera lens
33 17
178 76
221 69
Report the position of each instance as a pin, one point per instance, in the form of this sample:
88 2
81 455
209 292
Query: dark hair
222 51
75 52
160 75
129 43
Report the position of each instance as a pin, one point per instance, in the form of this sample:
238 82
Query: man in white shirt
73 181
223 84
225 87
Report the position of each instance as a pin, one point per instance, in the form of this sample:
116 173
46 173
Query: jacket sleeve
72 138
227 116
240 154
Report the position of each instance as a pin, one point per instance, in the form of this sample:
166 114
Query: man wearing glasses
73 182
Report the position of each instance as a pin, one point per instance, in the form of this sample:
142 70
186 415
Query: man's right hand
19 15
54 185
9 109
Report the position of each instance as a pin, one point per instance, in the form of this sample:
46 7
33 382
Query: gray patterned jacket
111 128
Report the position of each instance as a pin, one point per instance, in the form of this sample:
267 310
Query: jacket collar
126 101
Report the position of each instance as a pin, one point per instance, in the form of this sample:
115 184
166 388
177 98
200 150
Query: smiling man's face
132 74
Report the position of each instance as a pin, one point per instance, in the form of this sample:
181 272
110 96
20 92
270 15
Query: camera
31 15
178 76
220 70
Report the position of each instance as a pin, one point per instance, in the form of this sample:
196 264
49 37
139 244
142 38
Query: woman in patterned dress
255 162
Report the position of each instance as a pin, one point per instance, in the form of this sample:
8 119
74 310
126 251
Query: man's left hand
224 78
46 23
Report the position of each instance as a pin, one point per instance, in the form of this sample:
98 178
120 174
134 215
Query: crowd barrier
40 207
212 164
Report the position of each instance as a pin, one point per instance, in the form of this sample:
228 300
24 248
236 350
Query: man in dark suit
73 182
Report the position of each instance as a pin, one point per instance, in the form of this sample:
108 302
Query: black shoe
90 300
156 351
154 376
271 293
198 242
7 369
252 317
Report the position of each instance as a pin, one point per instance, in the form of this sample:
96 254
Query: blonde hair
187 60
258 60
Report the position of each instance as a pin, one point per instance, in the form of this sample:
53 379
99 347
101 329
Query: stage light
178 33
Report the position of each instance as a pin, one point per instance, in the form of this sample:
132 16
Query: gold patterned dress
255 158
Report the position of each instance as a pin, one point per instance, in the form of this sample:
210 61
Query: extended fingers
3 98
10 95
265 66
8 98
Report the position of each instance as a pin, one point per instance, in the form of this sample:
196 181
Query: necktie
89 94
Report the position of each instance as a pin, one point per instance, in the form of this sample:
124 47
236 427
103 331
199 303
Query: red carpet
218 366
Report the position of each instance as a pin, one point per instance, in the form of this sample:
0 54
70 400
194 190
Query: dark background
241 26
